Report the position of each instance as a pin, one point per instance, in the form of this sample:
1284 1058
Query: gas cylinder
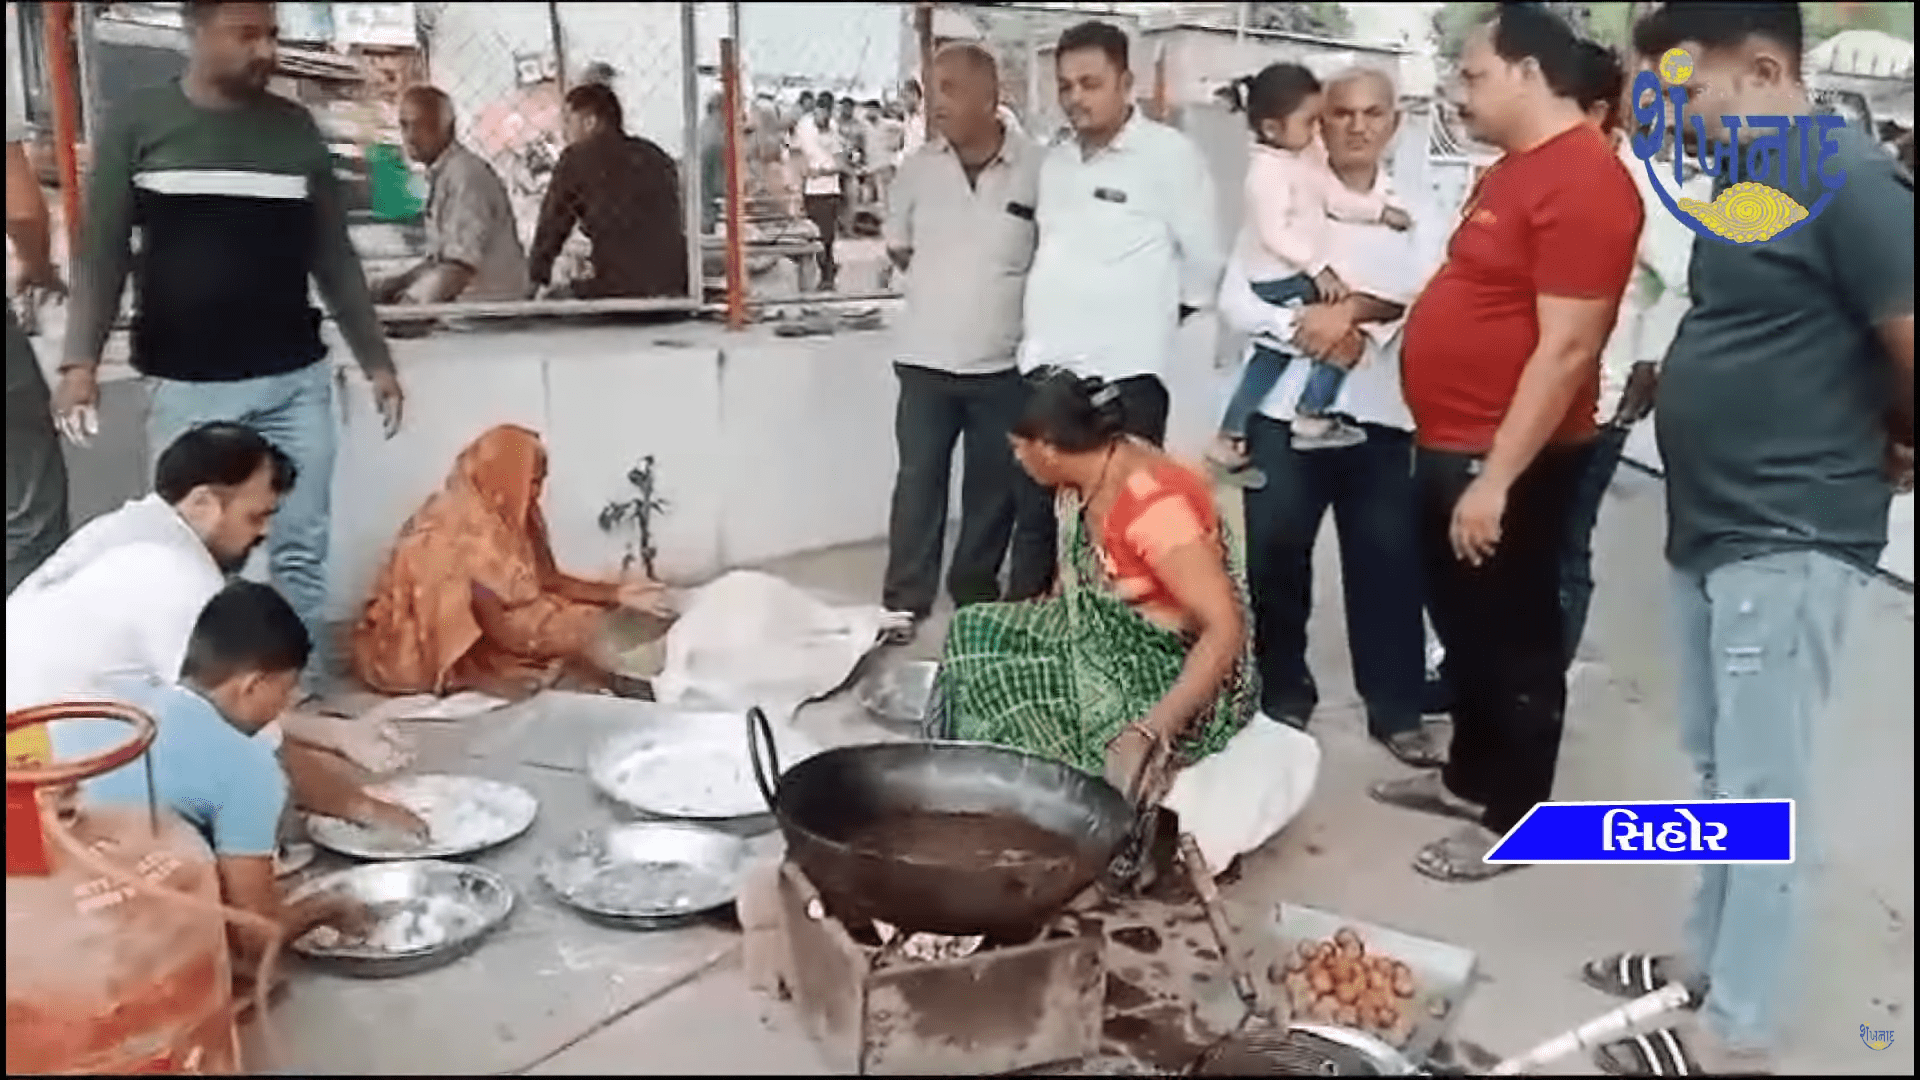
101 977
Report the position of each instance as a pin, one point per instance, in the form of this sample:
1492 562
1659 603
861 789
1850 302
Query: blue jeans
1576 559
1266 365
1369 487
293 411
1757 644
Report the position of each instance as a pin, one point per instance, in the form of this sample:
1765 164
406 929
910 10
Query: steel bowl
425 914
464 814
646 875
900 695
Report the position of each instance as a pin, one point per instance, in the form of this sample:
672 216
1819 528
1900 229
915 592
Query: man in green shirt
1773 414
233 191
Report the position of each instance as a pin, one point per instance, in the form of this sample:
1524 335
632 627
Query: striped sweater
235 210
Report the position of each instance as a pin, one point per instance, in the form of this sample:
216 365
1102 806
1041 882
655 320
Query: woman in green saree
1140 662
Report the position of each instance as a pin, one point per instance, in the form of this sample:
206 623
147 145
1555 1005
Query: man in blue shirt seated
241 670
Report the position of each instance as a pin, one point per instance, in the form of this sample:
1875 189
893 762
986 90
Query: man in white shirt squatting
1368 485
1129 246
120 598
960 223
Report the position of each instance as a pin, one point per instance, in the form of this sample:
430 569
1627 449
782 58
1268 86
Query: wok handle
757 729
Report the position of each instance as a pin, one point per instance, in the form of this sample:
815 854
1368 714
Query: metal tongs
1124 872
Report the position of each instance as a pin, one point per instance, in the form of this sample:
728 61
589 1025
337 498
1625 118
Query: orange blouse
1160 509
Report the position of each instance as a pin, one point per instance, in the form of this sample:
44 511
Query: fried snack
1402 980
1337 981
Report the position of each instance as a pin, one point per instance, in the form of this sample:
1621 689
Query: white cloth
1384 263
16 112
753 639
1657 296
1009 119
913 135
1234 801
1285 200
819 155
1127 235
120 597
971 247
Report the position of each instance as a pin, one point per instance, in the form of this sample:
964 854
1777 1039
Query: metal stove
880 1011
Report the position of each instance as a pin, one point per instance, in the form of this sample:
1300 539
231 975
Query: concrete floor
554 997
678 1003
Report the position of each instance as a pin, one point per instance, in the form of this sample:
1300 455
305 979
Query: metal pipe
736 212
816 298
505 309
693 192
805 300
559 47
923 27
87 49
66 116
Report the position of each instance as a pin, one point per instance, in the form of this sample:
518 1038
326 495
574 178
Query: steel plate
899 694
464 814
646 874
425 914
693 767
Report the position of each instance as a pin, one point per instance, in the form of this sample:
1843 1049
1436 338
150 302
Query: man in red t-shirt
1501 361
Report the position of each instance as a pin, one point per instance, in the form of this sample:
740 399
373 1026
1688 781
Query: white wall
763 446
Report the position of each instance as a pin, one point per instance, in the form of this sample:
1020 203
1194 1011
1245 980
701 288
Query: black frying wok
838 793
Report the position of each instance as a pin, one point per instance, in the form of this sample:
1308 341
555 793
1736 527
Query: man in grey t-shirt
473 245
960 224
36 471
1773 412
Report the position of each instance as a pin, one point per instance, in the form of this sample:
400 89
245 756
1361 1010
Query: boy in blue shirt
242 669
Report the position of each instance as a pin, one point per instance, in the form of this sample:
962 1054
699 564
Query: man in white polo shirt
1368 486
960 223
1129 245
121 596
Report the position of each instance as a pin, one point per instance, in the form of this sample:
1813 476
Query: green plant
636 515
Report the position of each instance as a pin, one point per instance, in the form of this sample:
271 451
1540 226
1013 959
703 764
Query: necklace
1100 483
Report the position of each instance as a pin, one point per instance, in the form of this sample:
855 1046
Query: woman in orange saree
471 598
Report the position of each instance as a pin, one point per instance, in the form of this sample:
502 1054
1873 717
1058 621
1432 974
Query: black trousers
1145 404
1502 626
824 212
935 410
1369 488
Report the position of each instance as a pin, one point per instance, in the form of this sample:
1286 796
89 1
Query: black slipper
1626 975
627 686
1657 1053
1424 794
1460 858
1414 748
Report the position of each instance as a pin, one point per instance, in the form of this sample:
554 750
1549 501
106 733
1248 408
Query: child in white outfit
1284 248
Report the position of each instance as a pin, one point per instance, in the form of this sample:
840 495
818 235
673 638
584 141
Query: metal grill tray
1442 973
